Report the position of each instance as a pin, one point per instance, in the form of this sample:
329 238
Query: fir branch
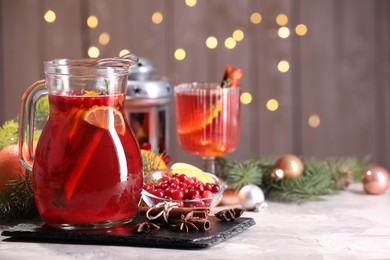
319 178
315 182
151 161
245 173
17 200
8 133
237 175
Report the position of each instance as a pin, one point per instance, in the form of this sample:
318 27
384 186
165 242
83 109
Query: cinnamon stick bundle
175 214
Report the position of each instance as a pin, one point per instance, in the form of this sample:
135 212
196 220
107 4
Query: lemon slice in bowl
192 171
105 117
179 166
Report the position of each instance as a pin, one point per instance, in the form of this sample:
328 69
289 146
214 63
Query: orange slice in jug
105 117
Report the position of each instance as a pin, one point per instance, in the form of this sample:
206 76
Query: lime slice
105 117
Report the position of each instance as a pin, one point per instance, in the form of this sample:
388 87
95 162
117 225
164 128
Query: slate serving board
124 235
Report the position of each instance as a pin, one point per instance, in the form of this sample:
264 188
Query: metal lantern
147 106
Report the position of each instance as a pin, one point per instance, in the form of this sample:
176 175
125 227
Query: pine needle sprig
17 200
315 182
151 161
8 133
319 178
245 173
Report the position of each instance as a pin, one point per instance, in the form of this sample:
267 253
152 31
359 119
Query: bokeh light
93 52
104 38
283 66
123 52
211 42
238 35
230 43
281 19
50 16
314 121
191 3
272 104
246 98
301 29
92 21
157 17
255 18
180 54
283 32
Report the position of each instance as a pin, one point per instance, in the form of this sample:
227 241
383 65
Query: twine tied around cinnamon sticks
165 207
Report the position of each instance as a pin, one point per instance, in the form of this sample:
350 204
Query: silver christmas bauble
251 197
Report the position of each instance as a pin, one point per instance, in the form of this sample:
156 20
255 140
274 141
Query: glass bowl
160 176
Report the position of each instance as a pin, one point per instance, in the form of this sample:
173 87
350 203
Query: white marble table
350 225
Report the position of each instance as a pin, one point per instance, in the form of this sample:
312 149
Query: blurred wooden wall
339 70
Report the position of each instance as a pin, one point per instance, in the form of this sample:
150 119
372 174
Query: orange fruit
191 171
105 117
153 160
10 166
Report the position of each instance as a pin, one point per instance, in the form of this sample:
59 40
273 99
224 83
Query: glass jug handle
26 122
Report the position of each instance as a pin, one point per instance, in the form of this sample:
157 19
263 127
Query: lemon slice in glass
105 117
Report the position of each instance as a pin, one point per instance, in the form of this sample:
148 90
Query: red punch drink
207 119
87 168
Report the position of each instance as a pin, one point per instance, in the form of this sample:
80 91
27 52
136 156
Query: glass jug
87 167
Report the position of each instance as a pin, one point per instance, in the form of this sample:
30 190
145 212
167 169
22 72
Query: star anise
185 223
229 214
145 227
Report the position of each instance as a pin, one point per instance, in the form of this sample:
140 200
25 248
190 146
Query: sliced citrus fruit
152 160
200 120
191 171
179 166
91 93
105 117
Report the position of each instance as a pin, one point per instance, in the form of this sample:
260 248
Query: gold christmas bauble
288 166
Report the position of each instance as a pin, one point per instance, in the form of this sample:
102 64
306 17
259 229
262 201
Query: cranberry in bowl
188 189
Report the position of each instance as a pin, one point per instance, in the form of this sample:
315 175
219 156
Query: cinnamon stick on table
174 214
201 224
